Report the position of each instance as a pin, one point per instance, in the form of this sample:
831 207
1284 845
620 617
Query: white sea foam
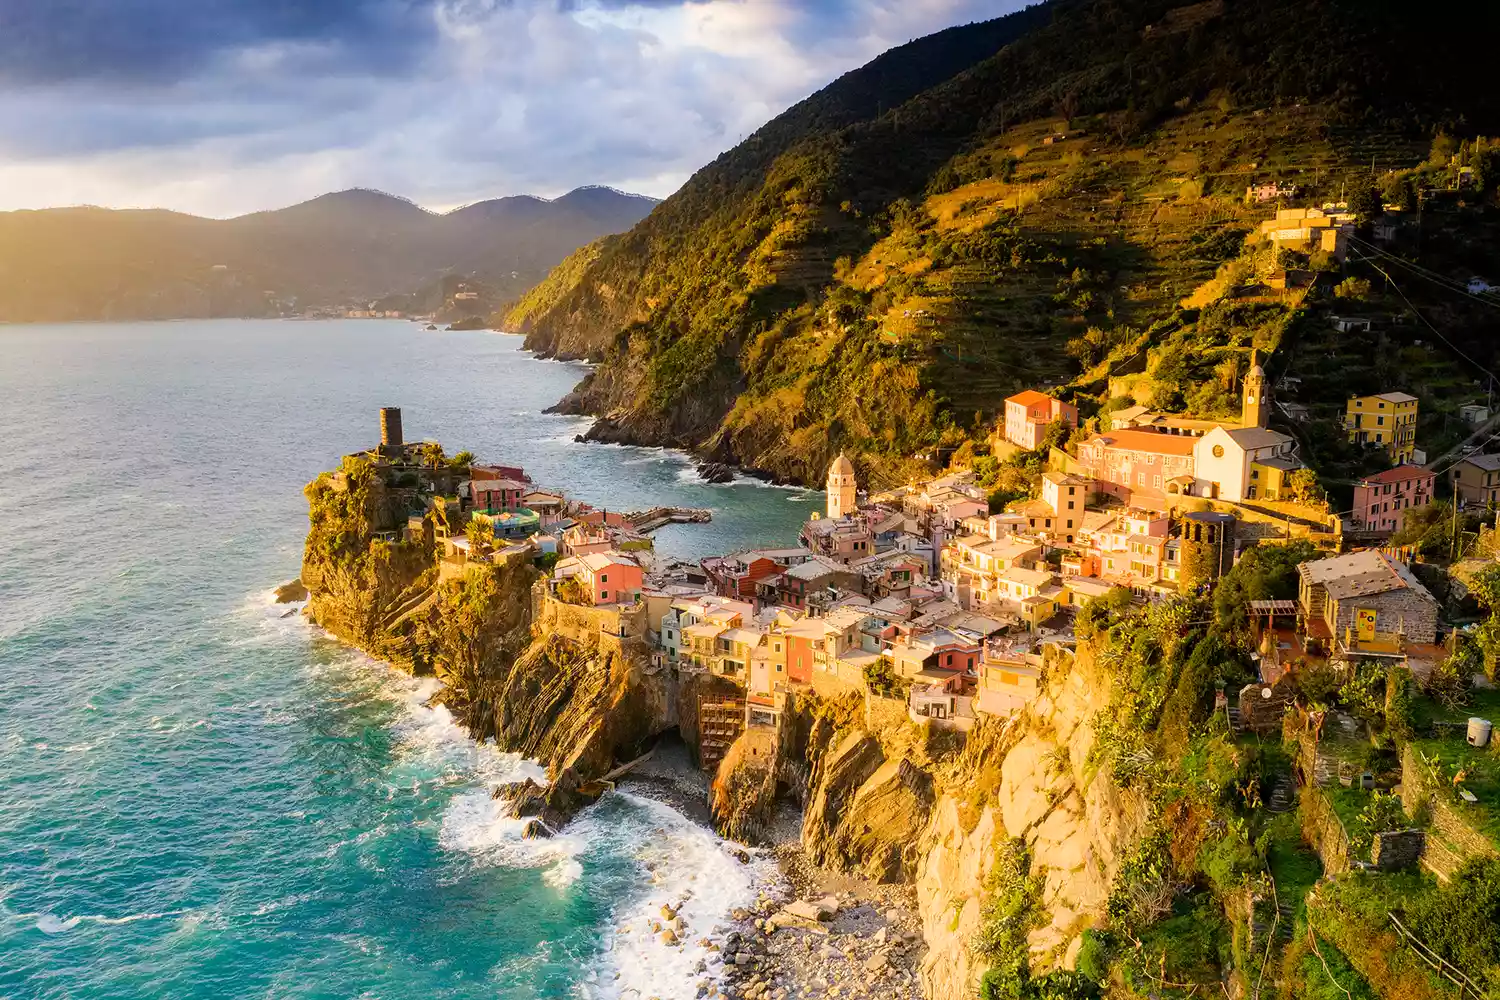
476 824
682 864
51 923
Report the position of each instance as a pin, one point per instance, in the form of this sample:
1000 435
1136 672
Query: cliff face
552 686
885 801
1028 779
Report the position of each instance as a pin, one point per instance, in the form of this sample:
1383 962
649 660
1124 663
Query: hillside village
942 613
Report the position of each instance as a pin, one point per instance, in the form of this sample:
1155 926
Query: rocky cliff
888 801
543 685
1029 779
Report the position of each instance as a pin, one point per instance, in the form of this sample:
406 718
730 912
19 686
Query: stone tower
1208 540
390 430
1256 409
841 487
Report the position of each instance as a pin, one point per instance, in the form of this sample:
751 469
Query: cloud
224 106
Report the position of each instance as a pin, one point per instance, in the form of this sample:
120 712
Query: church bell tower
1256 409
841 487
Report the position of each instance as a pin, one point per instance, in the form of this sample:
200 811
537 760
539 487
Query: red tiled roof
1400 474
1030 397
1150 441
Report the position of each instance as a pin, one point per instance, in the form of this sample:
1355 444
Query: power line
1435 331
1436 277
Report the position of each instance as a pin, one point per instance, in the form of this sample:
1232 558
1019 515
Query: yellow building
1387 420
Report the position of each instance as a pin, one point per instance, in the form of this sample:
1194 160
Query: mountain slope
880 263
340 248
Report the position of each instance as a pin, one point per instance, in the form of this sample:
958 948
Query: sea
203 797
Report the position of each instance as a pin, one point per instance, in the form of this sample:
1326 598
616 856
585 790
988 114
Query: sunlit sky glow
220 107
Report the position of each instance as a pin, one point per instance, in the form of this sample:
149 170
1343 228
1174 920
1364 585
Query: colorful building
1382 500
1387 420
1476 479
1028 413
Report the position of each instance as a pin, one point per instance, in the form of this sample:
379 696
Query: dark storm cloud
50 41
220 106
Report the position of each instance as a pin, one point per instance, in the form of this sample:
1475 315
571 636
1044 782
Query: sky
220 107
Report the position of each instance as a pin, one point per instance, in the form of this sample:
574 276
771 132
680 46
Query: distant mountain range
338 250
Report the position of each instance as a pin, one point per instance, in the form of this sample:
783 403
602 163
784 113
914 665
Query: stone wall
884 713
1324 831
1416 614
1397 849
1451 839
593 627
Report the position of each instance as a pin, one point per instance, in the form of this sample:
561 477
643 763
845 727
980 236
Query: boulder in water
715 472
292 592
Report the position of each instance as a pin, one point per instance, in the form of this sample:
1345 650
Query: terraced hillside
878 280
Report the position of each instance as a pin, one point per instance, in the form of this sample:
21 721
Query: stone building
1366 602
843 488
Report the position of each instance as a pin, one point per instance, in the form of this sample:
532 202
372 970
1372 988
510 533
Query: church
1156 455
842 488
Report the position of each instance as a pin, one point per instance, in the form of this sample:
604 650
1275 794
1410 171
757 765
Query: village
930 606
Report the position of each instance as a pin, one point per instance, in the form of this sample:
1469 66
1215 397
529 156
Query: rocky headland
888 832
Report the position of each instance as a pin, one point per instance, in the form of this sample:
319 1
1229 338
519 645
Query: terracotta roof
1401 473
1030 397
1148 441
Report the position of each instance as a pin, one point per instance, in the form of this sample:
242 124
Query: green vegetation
1055 197
1012 909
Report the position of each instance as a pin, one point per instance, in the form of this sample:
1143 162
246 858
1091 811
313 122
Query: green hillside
879 267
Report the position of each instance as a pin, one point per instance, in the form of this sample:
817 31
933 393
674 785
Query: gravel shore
811 935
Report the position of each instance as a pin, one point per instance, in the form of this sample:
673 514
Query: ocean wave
476 824
51 923
685 865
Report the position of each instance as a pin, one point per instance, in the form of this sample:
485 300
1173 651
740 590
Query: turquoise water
199 798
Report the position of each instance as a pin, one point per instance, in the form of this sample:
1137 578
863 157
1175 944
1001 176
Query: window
1156 481
603 577
603 595
1218 451
1380 421
1070 502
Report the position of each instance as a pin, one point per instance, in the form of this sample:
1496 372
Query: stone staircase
1288 915
1283 797
1236 724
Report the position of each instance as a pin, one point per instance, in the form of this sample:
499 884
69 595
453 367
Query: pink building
498 472
1126 463
610 578
497 494
1382 500
1028 413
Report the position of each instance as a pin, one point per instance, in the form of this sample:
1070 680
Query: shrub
1461 920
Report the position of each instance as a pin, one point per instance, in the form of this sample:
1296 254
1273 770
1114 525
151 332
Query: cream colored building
1243 463
843 488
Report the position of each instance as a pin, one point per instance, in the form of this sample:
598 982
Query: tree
432 454
1264 573
462 460
1353 288
1365 203
1304 488
481 533
1485 588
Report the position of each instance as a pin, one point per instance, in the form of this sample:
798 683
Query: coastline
869 948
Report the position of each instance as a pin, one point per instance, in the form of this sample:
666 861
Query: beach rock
535 829
715 472
289 593
669 937
523 798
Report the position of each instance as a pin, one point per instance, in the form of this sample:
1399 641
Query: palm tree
462 460
432 454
